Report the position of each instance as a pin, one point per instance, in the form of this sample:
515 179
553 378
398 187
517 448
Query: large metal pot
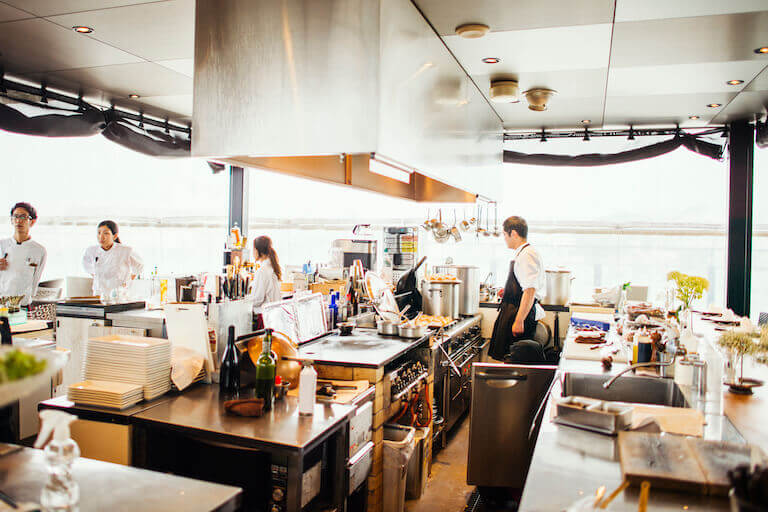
440 298
558 287
469 289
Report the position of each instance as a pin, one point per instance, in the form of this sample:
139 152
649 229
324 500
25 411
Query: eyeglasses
20 218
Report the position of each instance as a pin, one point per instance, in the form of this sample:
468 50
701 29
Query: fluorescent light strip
383 169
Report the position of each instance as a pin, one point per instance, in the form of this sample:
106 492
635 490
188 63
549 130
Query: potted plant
741 344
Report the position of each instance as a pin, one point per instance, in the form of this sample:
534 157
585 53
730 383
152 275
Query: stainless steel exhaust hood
276 80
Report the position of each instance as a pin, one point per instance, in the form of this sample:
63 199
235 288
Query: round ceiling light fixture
472 30
693 118
134 96
714 105
491 60
538 98
82 29
734 82
586 121
505 91
762 49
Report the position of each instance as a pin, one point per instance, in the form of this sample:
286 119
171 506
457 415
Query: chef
23 259
266 280
519 309
112 264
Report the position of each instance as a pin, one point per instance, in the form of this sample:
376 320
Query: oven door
459 386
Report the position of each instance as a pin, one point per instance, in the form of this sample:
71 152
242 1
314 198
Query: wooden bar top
116 488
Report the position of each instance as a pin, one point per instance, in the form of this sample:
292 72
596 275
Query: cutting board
30 325
573 350
343 396
680 463
673 420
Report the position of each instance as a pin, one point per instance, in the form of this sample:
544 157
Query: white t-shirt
113 268
266 286
26 261
529 272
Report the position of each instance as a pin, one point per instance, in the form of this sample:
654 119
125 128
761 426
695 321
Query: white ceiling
614 62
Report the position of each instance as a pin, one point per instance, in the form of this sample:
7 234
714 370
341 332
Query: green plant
688 288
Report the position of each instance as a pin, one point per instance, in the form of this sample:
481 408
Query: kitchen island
580 461
189 434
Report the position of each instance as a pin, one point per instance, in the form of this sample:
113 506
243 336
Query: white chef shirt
266 286
26 261
113 268
529 272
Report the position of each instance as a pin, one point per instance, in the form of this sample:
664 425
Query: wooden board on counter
679 463
672 420
584 352
29 325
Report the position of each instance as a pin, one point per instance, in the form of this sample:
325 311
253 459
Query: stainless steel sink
641 390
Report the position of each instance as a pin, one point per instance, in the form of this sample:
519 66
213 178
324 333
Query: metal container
558 287
415 332
386 328
469 289
440 298
595 415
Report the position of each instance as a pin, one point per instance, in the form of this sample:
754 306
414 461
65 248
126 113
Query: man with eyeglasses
23 259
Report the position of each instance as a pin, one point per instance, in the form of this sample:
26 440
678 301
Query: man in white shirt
23 259
520 309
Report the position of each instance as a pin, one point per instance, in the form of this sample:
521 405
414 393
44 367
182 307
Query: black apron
502 337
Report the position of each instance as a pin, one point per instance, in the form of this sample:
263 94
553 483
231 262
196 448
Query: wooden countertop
116 488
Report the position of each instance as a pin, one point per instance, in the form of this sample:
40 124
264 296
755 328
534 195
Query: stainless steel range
457 348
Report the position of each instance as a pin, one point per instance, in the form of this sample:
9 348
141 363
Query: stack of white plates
115 395
132 360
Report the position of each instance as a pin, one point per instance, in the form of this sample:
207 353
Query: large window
172 211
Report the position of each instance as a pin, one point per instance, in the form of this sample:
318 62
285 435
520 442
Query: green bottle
265 372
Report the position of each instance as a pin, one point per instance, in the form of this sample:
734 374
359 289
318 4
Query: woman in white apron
112 264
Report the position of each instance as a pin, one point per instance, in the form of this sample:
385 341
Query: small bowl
346 328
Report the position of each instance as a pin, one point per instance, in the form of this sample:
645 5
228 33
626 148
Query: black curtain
690 142
92 121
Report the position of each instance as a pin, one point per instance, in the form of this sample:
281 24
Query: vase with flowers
687 289
740 344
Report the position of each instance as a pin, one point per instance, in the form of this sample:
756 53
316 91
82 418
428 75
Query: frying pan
407 291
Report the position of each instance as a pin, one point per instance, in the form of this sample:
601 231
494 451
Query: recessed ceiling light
734 82
693 118
134 96
714 105
491 60
82 29
586 121
762 49
504 91
472 30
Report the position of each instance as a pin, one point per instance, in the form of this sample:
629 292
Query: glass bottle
265 372
229 372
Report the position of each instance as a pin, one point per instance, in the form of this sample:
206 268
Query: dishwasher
506 409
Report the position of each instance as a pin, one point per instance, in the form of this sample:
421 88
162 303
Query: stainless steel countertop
154 317
117 488
365 348
200 411
569 463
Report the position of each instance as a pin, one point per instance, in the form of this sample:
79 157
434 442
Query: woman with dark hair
112 264
266 281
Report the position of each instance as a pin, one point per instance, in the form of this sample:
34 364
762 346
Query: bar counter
117 488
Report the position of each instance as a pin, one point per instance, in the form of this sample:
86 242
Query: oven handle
468 359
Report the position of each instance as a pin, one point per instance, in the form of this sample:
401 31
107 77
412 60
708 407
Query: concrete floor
447 489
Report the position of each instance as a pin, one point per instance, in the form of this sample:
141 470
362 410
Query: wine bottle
229 372
334 313
265 372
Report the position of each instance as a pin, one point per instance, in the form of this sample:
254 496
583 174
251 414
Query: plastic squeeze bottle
61 493
307 389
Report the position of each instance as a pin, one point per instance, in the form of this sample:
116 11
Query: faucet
660 364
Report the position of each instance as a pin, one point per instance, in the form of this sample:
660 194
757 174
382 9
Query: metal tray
596 415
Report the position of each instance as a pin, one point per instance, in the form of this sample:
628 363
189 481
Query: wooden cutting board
681 463
673 420
573 350
30 325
